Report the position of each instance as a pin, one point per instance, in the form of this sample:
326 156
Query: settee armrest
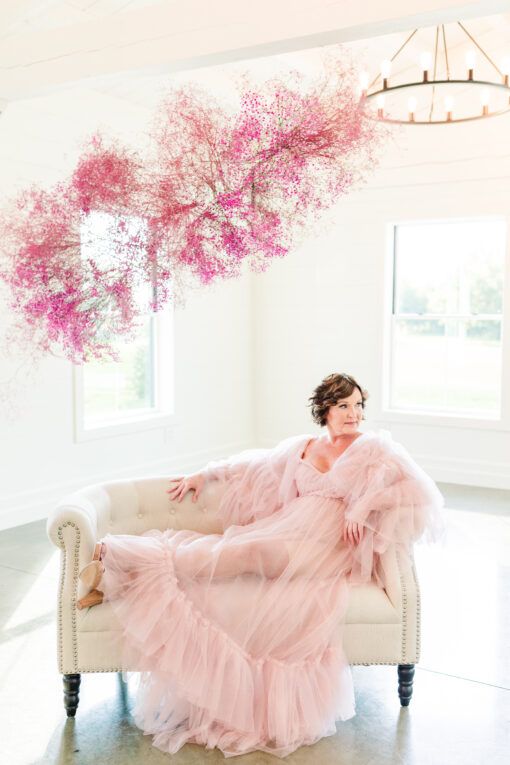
82 511
72 527
398 573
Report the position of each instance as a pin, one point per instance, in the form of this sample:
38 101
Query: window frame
162 415
415 417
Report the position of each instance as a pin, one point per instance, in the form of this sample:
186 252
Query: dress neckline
325 472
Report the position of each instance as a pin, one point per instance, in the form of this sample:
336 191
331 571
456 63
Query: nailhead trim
418 615
60 645
110 669
76 668
373 663
403 589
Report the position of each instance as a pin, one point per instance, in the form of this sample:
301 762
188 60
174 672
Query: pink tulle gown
238 635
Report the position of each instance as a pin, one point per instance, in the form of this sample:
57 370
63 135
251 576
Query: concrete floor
459 714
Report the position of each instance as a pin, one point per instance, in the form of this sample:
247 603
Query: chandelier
423 92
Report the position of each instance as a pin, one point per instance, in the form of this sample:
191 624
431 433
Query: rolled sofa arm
72 527
398 572
85 509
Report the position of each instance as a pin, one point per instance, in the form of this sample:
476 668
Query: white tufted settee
382 626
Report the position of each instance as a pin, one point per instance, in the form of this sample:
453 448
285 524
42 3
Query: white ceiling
19 19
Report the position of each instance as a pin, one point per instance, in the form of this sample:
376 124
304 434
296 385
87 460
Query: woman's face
345 416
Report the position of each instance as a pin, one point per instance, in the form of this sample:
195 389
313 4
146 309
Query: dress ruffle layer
197 684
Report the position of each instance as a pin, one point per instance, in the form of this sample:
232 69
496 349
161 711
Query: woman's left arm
395 498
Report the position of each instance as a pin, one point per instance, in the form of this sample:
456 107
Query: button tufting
172 510
140 515
204 509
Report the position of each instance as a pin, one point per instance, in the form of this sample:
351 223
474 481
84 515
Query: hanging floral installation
215 190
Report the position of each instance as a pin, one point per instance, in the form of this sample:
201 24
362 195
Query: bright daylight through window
447 315
114 392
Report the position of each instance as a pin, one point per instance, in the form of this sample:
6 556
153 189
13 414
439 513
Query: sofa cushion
369 604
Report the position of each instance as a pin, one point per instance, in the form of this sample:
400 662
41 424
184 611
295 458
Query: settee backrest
137 505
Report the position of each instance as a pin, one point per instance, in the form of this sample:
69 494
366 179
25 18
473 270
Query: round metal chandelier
431 84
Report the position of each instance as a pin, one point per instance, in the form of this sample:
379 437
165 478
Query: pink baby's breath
215 190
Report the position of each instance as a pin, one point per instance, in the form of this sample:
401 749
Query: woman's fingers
181 489
184 491
173 480
353 532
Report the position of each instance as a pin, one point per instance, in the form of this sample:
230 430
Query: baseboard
484 473
36 504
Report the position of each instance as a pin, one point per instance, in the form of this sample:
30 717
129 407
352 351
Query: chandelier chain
394 57
435 72
445 54
498 70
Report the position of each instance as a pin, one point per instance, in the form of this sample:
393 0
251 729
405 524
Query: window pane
474 365
452 267
451 365
419 363
111 388
126 386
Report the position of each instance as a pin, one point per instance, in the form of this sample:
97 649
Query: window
447 309
134 392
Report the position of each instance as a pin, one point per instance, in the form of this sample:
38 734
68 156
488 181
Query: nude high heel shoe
93 598
91 575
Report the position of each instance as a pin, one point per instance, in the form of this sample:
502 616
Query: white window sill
413 417
112 428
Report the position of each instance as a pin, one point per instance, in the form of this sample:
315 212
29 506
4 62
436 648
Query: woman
238 635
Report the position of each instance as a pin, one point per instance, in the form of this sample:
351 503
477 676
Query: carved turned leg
71 693
405 683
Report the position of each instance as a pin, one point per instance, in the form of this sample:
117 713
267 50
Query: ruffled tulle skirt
238 636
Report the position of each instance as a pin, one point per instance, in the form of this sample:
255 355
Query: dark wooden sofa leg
405 683
71 693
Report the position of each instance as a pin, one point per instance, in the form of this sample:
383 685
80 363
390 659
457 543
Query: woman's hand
183 484
353 531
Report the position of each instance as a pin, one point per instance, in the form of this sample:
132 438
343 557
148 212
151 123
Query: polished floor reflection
460 711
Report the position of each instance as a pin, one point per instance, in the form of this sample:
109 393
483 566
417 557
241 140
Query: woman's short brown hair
328 393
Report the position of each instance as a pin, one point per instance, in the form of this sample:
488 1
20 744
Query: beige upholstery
382 626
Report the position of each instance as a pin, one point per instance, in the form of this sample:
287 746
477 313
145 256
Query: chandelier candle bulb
363 81
425 60
385 72
380 106
448 105
505 68
484 97
412 108
470 64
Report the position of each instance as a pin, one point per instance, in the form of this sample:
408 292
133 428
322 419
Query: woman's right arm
230 469
222 470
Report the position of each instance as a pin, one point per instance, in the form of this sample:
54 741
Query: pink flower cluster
216 190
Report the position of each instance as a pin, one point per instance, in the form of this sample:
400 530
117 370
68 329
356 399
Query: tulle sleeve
397 503
257 481
235 466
